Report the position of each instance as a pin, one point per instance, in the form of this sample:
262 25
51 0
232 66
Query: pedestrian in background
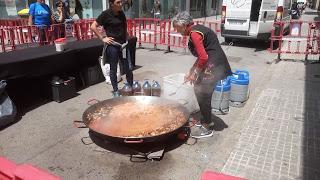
156 10
41 16
114 23
60 16
295 13
78 9
210 67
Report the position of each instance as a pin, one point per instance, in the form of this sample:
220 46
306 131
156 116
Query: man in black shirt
114 23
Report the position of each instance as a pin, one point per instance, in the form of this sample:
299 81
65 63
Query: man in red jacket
210 67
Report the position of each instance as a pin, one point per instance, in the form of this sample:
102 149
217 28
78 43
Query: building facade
132 8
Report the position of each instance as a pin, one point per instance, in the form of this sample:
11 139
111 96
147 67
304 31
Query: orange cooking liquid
136 120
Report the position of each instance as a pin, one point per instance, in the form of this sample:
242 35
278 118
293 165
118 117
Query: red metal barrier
82 29
210 175
295 37
147 30
13 22
28 172
175 39
7 169
11 171
156 32
213 25
2 40
161 32
11 37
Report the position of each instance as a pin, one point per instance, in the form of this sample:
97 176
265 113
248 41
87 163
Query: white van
252 19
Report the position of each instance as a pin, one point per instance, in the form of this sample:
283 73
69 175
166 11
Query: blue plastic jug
239 86
221 96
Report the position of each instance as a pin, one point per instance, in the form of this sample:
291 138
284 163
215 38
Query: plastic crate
64 90
93 75
184 94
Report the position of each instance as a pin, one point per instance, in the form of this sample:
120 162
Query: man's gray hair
183 18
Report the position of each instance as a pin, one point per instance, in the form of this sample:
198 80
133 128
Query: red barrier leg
2 40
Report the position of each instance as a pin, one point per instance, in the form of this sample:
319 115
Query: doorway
197 8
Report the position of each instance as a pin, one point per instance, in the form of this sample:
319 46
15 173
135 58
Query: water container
221 96
146 88
239 86
136 88
126 90
155 89
295 28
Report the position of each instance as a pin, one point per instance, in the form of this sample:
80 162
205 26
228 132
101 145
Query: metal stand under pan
140 152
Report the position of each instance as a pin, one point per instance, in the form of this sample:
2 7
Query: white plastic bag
106 71
8 110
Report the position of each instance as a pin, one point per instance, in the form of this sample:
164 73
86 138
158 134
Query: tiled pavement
281 138
275 142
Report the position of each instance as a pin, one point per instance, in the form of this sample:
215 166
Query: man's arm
94 28
199 66
197 40
125 26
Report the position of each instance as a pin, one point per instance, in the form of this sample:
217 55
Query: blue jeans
113 54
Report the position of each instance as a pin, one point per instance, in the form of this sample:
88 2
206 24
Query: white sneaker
195 122
198 123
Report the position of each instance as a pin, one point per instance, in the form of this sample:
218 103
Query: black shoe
201 132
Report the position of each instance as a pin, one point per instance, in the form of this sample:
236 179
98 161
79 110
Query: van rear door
237 19
267 16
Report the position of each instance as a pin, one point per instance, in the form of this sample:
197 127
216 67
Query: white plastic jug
59 46
295 29
106 71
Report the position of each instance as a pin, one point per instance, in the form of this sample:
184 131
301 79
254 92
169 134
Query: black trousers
113 54
42 35
204 90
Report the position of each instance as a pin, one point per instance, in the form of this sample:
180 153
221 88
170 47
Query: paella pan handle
85 141
76 124
132 141
92 102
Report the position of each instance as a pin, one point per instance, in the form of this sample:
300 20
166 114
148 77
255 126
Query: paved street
281 137
274 136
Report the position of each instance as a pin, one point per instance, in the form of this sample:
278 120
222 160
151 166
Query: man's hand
190 77
193 75
108 40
